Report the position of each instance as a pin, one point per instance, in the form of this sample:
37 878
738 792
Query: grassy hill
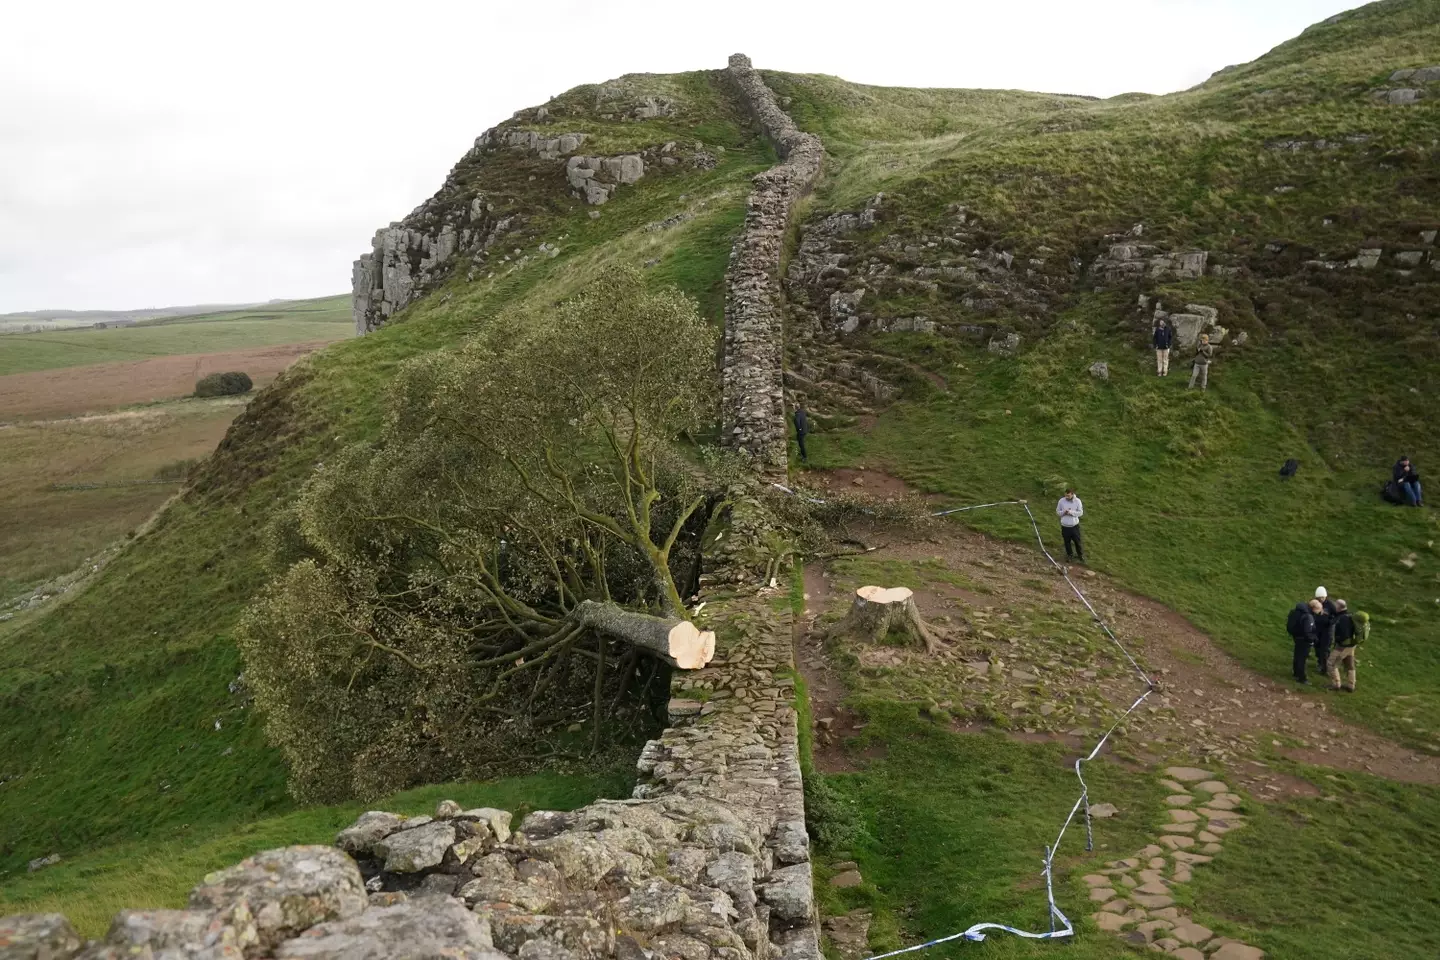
1339 370
118 722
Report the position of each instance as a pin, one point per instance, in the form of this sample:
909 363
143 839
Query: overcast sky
156 153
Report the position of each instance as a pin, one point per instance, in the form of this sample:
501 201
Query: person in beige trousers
1164 339
1200 372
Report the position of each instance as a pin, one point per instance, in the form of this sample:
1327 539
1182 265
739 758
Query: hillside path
1208 704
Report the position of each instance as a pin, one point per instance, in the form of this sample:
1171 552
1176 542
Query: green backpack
1362 626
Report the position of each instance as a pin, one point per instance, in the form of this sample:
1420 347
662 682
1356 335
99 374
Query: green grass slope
1341 368
297 321
117 718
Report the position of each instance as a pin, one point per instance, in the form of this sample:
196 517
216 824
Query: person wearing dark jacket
1164 337
1302 630
1405 475
1348 635
1324 629
802 427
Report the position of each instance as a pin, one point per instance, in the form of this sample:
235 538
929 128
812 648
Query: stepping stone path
1136 895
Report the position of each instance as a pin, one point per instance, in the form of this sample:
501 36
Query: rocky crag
753 397
460 225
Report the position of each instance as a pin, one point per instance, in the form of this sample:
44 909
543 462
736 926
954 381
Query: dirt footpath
1207 704
71 391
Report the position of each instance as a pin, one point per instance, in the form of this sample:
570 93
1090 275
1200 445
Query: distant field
301 321
51 522
71 391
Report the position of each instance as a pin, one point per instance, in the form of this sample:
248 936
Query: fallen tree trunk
877 611
677 642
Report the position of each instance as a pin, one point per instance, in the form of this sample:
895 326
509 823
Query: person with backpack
1324 629
1200 370
1351 630
1301 626
1164 338
1409 481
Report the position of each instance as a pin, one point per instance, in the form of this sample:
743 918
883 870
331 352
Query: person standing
1350 632
1301 627
1070 510
1324 629
1164 338
802 429
1405 475
1200 370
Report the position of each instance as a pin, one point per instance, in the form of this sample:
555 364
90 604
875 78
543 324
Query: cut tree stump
876 611
678 642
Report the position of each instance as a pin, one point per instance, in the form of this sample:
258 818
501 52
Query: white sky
156 153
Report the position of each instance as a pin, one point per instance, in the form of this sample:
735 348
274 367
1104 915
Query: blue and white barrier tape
976 933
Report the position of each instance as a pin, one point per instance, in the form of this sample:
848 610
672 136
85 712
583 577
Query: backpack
1295 625
1362 626
1392 493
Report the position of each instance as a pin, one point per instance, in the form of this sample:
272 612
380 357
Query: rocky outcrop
1130 260
594 179
753 400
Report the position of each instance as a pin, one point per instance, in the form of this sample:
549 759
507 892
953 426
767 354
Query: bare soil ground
1010 655
71 391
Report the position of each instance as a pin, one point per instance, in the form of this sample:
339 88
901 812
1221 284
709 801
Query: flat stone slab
1183 816
1110 922
1179 800
1178 843
1212 786
1238 951
1154 889
1187 953
1103 811
1153 901
1188 774
1179 827
1172 785
1192 933
1102 894
1095 880
850 878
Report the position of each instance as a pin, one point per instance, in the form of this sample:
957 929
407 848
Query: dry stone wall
753 393
709 858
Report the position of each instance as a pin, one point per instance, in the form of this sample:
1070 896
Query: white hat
1320 593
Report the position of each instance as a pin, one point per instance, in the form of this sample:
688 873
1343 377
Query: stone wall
709 859
753 395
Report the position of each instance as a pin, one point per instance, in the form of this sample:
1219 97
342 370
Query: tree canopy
454 591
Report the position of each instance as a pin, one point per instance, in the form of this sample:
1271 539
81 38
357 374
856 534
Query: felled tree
500 559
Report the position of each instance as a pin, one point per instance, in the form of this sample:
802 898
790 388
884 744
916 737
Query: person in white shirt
1070 510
